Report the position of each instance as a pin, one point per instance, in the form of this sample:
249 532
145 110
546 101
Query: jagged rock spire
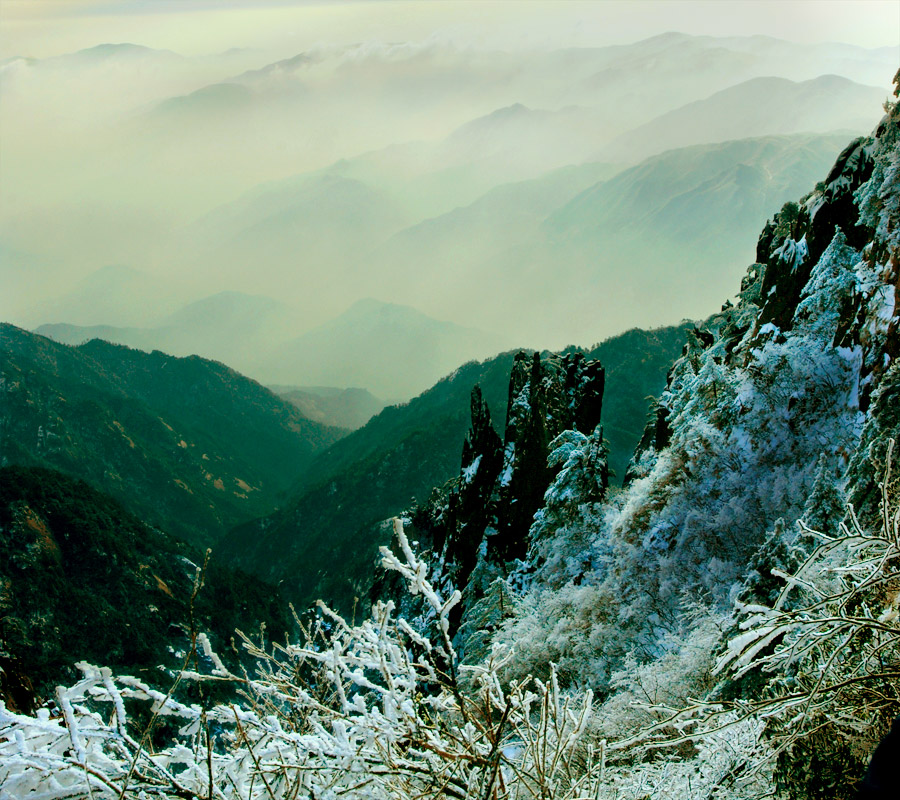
489 512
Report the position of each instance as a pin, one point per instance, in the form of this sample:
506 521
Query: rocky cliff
479 524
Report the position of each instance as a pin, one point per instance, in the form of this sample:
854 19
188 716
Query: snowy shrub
834 660
826 651
568 627
639 690
375 710
718 767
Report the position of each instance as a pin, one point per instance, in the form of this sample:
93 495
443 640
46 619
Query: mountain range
563 237
725 621
391 350
762 106
340 408
401 454
289 178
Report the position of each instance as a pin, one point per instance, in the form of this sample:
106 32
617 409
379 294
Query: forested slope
189 444
404 452
83 579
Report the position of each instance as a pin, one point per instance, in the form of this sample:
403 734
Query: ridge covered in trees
83 579
400 455
187 443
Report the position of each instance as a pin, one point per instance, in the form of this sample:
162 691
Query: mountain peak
669 37
500 116
286 66
106 50
392 350
371 305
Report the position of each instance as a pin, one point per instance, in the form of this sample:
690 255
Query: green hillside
188 444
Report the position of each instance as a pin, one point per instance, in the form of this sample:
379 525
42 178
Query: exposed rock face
545 398
792 243
470 509
394 462
486 515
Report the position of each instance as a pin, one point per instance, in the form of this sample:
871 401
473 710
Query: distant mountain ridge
563 236
107 296
343 408
309 139
764 106
227 326
568 235
393 350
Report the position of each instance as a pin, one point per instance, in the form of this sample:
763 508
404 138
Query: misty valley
429 418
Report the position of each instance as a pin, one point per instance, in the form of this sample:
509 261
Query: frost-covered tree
777 556
370 711
803 365
826 505
374 710
833 659
561 533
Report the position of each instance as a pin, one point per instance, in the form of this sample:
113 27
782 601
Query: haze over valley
417 204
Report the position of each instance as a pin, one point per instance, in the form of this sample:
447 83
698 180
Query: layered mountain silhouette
592 252
762 106
392 350
342 408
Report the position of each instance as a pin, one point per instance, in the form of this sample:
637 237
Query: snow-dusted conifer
826 505
776 557
561 532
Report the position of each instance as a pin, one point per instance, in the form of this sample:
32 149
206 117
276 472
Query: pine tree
776 554
826 505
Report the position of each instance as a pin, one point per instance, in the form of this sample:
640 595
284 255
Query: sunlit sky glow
42 28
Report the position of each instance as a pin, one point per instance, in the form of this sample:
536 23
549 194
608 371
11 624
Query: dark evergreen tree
777 553
826 505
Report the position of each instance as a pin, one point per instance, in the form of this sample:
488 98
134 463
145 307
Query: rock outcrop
482 520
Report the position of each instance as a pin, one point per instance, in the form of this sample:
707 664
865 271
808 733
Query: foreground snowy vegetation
725 626
378 710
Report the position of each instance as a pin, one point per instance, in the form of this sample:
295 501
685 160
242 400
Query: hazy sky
424 153
41 28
